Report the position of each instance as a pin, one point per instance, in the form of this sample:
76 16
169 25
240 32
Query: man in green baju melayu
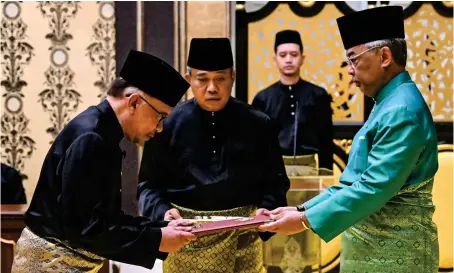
383 204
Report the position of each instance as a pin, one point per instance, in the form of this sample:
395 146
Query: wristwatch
300 207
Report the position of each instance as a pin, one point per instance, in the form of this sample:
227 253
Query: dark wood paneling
159 29
241 54
126 39
125 30
158 39
12 226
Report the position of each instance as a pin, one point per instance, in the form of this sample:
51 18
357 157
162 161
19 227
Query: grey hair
120 88
398 47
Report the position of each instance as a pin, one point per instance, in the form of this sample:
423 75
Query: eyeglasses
161 115
350 60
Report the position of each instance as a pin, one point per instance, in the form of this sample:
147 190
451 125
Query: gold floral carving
325 60
430 59
344 144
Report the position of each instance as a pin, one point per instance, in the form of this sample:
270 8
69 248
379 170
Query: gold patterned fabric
300 165
38 255
401 237
299 252
296 253
224 252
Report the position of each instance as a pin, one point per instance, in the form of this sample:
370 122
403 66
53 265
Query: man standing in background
301 109
303 114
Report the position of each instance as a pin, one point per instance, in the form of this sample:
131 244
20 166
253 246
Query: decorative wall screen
429 30
57 59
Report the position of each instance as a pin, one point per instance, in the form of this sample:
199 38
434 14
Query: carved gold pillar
199 19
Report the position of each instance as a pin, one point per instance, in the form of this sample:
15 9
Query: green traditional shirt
384 200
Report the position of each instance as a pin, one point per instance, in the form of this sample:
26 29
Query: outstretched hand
286 222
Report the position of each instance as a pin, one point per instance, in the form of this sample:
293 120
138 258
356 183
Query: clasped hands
287 220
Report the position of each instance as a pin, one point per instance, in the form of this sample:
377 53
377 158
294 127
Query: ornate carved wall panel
430 59
102 51
16 55
57 59
59 98
324 62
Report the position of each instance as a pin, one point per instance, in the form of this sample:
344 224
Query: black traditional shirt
302 111
13 191
78 196
213 161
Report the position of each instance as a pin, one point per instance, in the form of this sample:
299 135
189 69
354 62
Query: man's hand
180 223
262 212
172 214
175 238
287 222
282 209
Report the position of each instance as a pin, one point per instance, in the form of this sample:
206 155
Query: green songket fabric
384 199
399 238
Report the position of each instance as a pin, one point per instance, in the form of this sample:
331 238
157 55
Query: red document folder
225 225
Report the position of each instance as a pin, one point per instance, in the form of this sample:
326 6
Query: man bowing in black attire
75 218
217 156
